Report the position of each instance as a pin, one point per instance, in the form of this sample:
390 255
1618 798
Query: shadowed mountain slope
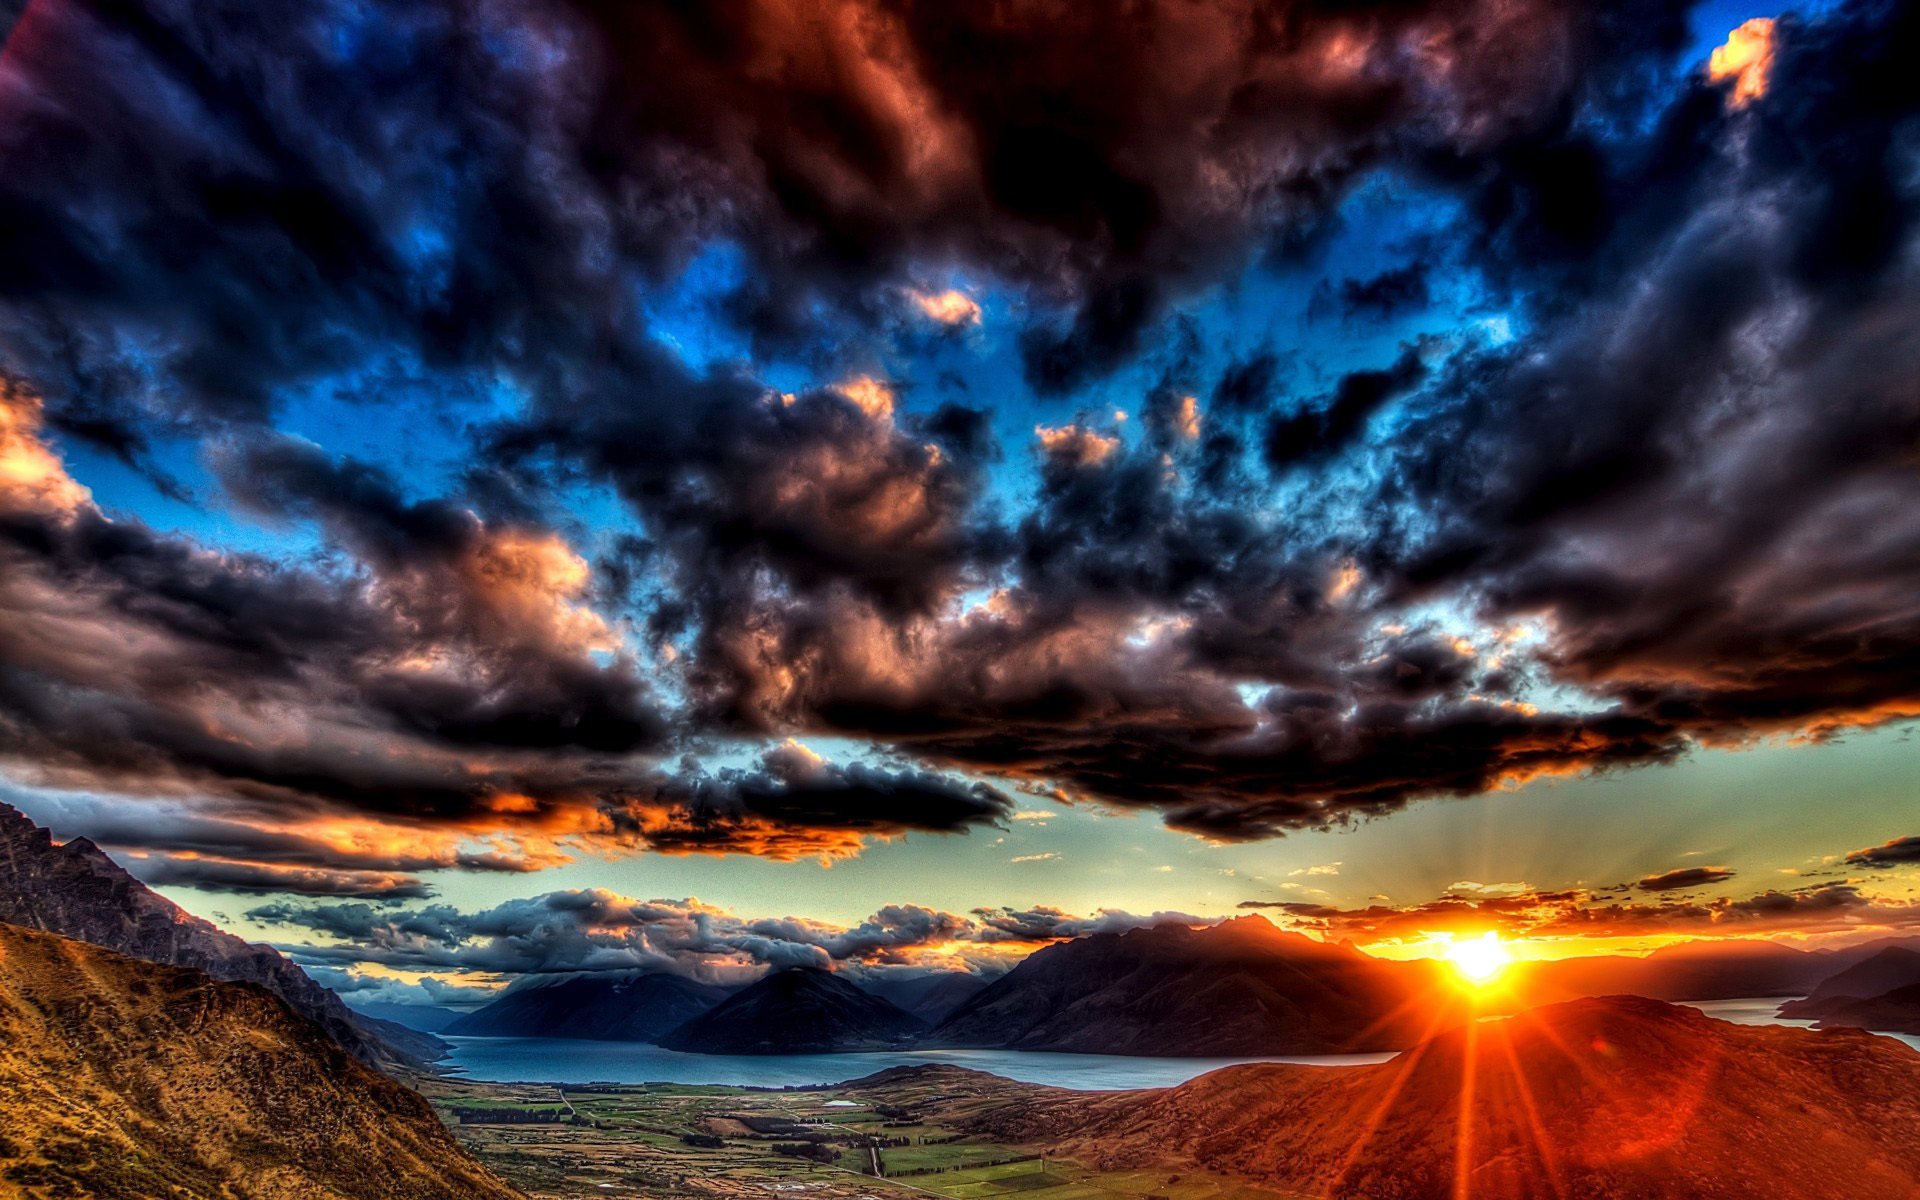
75 890
796 1011
125 1079
620 1007
929 997
1240 988
1894 967
1893 1011
1620 1098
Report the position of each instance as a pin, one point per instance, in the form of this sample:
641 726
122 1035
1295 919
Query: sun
1479 960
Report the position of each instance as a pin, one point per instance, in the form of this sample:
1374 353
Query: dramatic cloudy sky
477 474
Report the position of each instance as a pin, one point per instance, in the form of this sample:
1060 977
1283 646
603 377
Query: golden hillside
125 1080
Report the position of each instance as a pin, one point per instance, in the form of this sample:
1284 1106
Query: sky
496 487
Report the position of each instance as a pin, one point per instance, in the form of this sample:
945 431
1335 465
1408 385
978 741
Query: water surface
558 1060
1762 1010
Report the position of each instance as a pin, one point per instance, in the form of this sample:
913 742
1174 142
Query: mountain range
799 1010
125 1079
1618 1098
74 889
627 1006
1241 988
1881 992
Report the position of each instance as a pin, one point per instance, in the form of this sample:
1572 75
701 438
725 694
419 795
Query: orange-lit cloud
1746 58
1574 916
952 308
1075 445
31 474
872 396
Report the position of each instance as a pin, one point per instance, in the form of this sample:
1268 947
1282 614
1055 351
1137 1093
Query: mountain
928 997
124 1078
1702 970
420 1018
1620 1098
800 1010
1894 967
1895 1011
626 1006
1243 987
76 890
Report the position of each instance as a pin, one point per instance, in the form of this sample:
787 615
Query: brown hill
1893 1011
1619 1098
1241 988
127 1080
75 890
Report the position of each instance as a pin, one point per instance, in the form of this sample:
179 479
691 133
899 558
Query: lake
560 1060
1760 1012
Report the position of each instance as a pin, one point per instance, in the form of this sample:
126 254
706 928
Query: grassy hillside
124 1080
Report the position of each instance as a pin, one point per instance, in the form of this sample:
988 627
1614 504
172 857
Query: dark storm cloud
1684 877
1323 430
1897 852
598 930
1578 912
1108 161
203 205
178 831
1702 471
1671 503
794 803
1380 297
450 679
215 875
1045 923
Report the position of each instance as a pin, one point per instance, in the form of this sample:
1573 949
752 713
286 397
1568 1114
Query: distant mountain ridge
1240 988
800 1010
930 997
1894 1011
76 890
1881 992
1685 971
1617 1098
124 1079
1893 967
624 1006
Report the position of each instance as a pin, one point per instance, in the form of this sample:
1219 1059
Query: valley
568 1143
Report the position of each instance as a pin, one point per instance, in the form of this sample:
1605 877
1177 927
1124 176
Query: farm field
673 1140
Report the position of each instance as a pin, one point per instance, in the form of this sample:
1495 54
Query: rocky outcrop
127 1079
75 890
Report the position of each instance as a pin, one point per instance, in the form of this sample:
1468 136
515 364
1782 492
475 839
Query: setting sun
1479 959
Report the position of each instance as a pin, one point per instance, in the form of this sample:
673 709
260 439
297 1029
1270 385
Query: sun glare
1479 960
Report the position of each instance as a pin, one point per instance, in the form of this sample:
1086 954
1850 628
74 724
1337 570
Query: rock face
1620 1098
796 1011
619 1007
1243 988
77 891
127 1079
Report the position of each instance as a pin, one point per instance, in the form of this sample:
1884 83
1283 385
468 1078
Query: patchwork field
671 1140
